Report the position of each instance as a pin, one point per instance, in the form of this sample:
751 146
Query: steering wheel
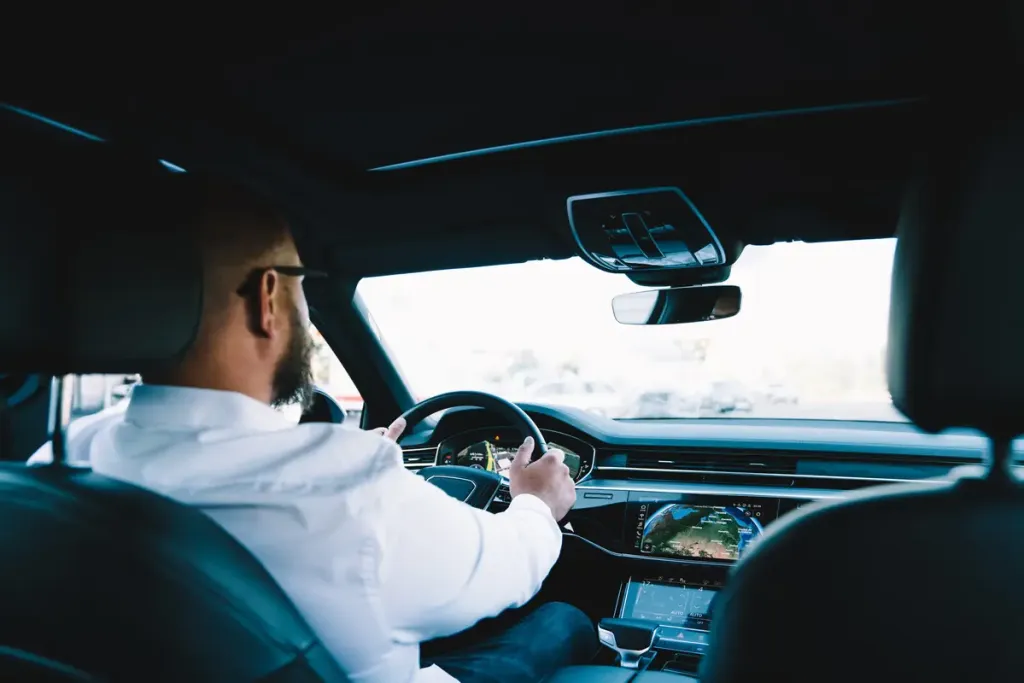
473 486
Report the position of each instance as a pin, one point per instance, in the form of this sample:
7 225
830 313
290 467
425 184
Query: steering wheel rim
472 486
479 399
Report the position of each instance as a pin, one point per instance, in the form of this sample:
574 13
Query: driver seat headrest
98 273
957 314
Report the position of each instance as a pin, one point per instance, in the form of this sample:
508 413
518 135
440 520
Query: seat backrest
99 578
323 408
909 582
127 585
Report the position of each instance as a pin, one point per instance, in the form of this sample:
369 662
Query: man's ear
267 304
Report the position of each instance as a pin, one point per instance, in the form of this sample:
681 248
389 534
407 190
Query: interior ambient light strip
650 128
50 122
74 131
767 475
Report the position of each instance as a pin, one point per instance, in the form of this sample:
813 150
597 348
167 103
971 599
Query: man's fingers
523 455
555 454
395 430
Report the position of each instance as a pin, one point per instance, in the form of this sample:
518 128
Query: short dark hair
229 220
230 224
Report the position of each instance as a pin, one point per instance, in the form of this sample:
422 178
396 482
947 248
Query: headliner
304 108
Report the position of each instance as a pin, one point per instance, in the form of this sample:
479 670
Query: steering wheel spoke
472 486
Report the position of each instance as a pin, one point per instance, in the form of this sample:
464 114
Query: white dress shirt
376 559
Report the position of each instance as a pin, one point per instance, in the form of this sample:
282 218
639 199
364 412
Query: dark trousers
516 646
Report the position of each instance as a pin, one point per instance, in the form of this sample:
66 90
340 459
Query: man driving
377 560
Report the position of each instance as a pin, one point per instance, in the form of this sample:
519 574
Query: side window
93 393
330 375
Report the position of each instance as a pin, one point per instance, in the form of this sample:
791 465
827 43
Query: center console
682 547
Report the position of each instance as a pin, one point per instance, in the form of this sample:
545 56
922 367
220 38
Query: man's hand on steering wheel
394 432
547 478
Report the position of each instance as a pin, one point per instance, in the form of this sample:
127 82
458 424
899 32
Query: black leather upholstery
614 674
100 580
896 584
954 354
323 409
913 582
130 586
97 276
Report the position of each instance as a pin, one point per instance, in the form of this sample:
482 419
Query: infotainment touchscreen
675 602
698 527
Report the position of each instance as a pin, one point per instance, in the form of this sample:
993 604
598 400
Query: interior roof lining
444 204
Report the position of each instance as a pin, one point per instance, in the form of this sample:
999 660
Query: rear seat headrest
96 273
956 327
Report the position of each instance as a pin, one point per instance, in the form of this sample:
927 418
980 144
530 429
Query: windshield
809 341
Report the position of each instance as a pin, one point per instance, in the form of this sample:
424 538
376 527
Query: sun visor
95 276
956 323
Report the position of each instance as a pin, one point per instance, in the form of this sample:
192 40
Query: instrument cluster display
493 451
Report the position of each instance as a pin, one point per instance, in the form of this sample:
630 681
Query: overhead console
647 232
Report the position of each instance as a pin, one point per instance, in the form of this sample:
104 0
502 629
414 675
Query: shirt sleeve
447 565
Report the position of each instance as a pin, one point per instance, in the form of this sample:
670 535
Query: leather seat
323 408
905 582
100 580
111 580
614 674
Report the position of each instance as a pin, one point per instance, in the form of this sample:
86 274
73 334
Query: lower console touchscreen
677 602
680 607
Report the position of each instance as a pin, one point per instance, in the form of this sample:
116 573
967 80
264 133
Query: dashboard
665 508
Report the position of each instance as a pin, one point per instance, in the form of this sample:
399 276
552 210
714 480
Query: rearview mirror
677 305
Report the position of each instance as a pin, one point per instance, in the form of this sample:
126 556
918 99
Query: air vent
419 457
700 466
712 461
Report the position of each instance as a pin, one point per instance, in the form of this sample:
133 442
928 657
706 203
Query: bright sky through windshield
808 342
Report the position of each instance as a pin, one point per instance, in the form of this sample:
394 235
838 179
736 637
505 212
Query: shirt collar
160 405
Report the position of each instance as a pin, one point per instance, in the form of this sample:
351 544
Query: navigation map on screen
715 532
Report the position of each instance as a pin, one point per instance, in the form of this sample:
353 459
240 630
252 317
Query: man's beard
293 378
